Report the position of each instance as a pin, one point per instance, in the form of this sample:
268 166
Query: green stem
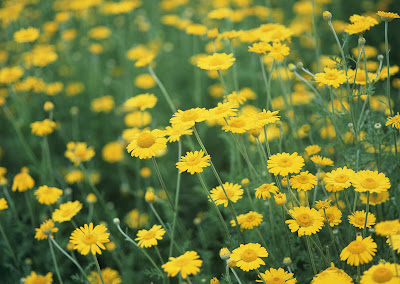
55 262
98 268
314 26
29 205
163 90
227 274
267 85
162 183
9 247
236 276
310 254
11 202
366 215
259 275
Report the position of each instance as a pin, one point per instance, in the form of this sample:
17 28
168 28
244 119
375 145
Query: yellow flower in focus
370 181
26 35
48 195
321 161
23 181
233 192
113 152
88 239
217 61
34 278
338 179
280 198
67 211
186 264
110 276
333 214
79 152
259 47
43 128
193 162
359 251
103 104
307 221
248 256
331 77
45 229
393 121
304 181
357 219
264 191
148 238
248 220
276 276
332 275
188 118
284 163
146 144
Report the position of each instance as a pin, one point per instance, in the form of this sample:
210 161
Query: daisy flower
110 276
233 191
278 51
148 238
48 195
393 121
217 61
284 163
304 181
46 228
189 117
277 276
264 191
321 161
3 204
307 221
357 219
370 181
386 228
193 162
248 220
332 275
141 102
23 181
146 144
388 16
186 264
331 77
338 179
248 256
67 211
90 239
34 278
359 251
333 214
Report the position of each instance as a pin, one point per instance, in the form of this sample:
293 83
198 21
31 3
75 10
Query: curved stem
98 268
162 183
163 90
55 262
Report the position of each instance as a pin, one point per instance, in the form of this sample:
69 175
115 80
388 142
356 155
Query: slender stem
316 186
159 254
90 215
235 75
314 26
68 256
262 238
11 202
215 207
366 215
9 247
267 85
259 275
236 276
29 205
127 238
98 268
162 183
163 90
310 254
221 78
48 159
227 273
55 262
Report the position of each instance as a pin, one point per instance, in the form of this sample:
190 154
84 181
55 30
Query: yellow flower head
332 275
34 278
313 149
264 191
43 128
277 276
189 117
307 221
186 264
278 50
239 124
359 251
338 179
48 195
386 228
113 152
103 104
217 61
248 220
110 276
146 144
388 16
370 181
193 162
233 192
304 181
141 102
67 211
284 163
248 256
79 152
88 239
393 121
148 238
332 215
321 161
3 204
46 228
26 35
175 132
357 219
23 181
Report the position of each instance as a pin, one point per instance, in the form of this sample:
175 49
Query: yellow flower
359 251
134 219
26 35
113 152
394 240
110 276
175 132
146 144
307 221
67 211
145 172
284 163
370 181
333 214
222 110
264 191
145 81
88 239
186 264
103 104
23 181
280 198
276 276
48 195
360 24
248 256
74 176
193 162
331 77
10 75
304 181
386 228
91 198
79 152
3 204
141 102
43 128
148 238
357 219
322 204
259 47
278 51
388 16
99 32
188 118
332 275
338 179
248 220
238 124
393 121
217 61
34 278
233 191
313 149
45 229
138 119
3 171
263 118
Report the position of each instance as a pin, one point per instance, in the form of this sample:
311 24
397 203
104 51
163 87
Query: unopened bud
361 41
299 65
380 57
327 15
116 221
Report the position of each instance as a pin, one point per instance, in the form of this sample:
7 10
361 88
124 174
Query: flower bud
327 15
245 182
280 198
224 253
48 106
380 57
116 221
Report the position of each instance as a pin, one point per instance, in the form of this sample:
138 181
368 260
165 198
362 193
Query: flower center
66 212
237 123
193 161
149 235
250 218
304 220
331 76
215 61
189 115
276 280
182 262
146 140
303 179
341 178
284 162
356 247
331 217
382 275
89 239
264 188
360 221
39 280
369 183
248 255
